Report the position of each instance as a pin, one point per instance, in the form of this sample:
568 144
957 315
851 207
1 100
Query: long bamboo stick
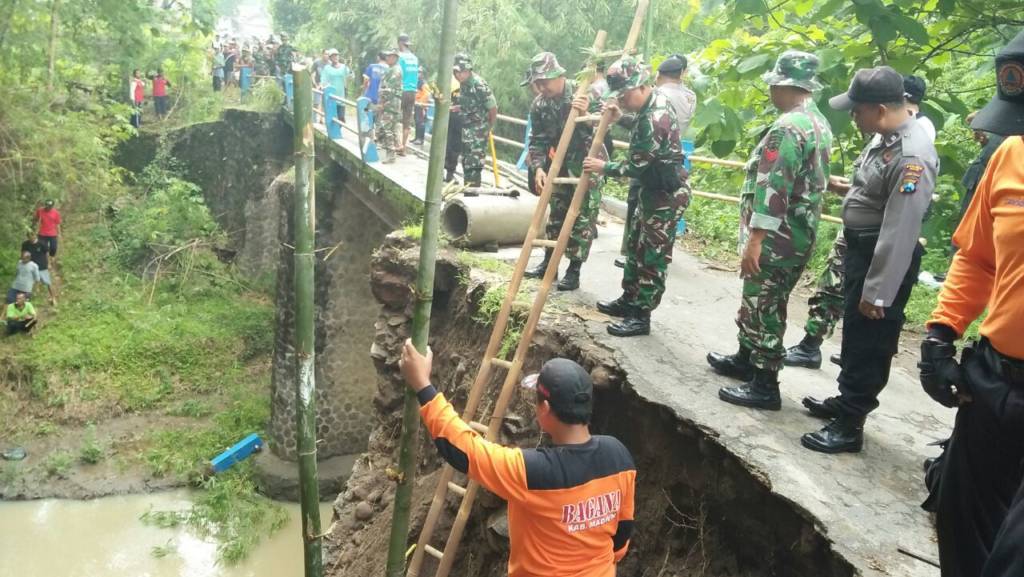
304 220
424 293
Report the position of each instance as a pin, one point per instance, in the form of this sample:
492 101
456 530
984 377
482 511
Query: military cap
462 63
881 85
389 52
625 74
672 65
1004 114
526 78
404 39
545 66
794 68
914 88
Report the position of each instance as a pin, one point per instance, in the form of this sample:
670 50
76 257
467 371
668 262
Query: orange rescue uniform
570 507
988 270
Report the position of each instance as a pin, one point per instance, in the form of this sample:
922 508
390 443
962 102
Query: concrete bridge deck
866 504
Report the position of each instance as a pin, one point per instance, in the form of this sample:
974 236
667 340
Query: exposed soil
699 510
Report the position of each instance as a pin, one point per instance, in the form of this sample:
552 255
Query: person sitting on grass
20 315
25 278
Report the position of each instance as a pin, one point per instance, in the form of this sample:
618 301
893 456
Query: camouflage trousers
585 227
762 315
826 305
474 146
651 240
386 131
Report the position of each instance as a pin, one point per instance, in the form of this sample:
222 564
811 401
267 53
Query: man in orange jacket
570 505
979 489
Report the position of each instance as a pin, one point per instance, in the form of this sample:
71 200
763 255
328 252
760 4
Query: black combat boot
823 409
836 359
473 177
807 354
761 392
734 366
844 434
571 280
620 262
637 322
539 270
614 308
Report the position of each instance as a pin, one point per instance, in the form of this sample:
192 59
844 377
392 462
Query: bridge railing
328 117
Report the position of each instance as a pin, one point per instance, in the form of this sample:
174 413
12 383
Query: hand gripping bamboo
446 557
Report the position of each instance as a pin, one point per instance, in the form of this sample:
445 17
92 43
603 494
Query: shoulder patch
911 175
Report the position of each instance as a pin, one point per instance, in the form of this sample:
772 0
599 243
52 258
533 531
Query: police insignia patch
911 175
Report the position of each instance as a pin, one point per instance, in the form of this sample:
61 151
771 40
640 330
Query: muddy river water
105 538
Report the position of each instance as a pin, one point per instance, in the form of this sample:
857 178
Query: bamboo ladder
446 557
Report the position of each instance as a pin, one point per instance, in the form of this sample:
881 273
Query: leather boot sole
767 405
805 363
620 262
611 311
567 285
836 360
810 442
730 371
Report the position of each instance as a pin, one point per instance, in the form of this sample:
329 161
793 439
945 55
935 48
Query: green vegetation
58 464
490 305
229 510
91 451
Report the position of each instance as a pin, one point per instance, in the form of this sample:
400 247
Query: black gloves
940 372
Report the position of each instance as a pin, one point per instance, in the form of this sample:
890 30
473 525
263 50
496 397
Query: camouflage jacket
475 100
547 118
283 58
389 95
786 176
654 142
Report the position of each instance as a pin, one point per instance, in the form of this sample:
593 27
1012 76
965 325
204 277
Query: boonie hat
566 387
389 52
1004 114
879 85
625 74
462 63
545 66
794 68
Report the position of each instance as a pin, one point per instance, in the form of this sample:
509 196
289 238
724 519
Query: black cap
881 85
1004 114
404 39
914 88
674 64
49 203
567 388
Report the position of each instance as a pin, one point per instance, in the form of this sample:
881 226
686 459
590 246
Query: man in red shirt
160 86
570 505
48 219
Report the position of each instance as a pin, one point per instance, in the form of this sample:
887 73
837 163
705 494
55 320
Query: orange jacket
570 507
988 270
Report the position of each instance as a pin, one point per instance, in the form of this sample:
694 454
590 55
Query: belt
1010 369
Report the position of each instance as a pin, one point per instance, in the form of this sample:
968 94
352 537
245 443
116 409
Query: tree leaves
755 62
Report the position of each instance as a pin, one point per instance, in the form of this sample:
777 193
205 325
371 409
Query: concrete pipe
488 219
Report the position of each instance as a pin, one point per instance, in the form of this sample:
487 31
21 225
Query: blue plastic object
245 80
237 453
521 164
688 152
331 113
288 89
366 129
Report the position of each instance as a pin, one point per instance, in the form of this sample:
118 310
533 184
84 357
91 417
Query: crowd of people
976 485
37 256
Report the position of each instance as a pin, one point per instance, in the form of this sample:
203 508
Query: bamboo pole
305 263
424 293
54 19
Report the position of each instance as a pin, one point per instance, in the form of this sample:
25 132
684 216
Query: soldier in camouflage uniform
479 110
389 108
655 159
826 308
548 114
780 205
283 56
